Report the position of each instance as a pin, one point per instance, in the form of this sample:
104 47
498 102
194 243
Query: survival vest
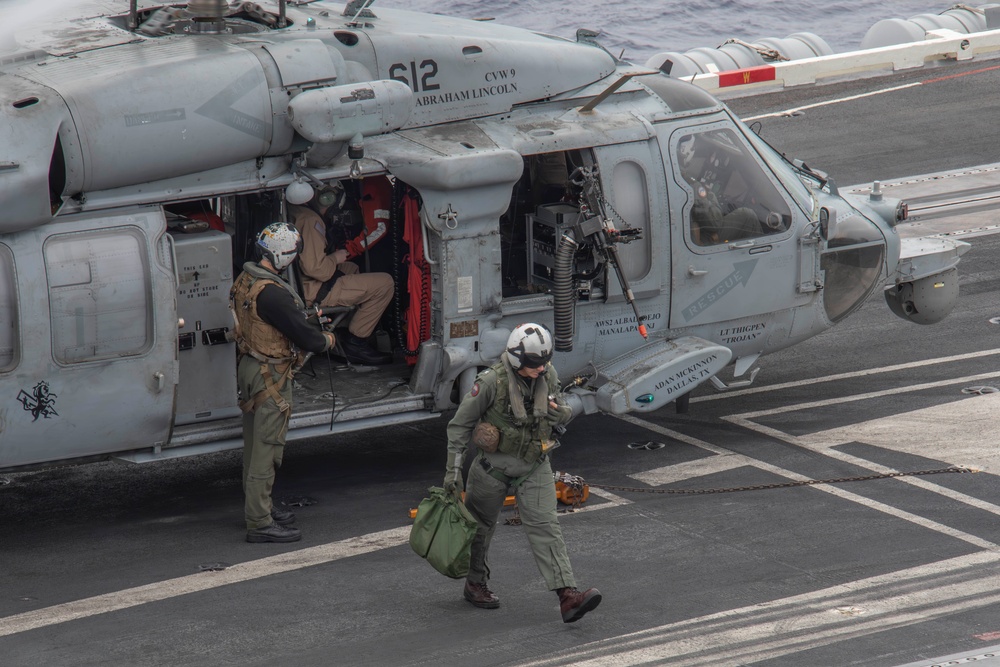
522 439
254 336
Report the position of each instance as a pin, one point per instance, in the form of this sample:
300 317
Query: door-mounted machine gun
593 226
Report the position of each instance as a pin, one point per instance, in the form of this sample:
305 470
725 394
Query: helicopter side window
99 295
732 197
632 210
8 310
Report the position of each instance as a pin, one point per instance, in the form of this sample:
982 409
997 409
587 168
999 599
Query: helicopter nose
33 167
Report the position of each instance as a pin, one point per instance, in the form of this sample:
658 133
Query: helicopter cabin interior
543 202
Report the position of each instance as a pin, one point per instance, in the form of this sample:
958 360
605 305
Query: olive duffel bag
442 533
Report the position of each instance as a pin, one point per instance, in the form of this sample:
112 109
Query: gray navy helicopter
530 178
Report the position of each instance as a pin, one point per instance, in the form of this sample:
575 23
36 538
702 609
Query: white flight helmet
279 243
529 345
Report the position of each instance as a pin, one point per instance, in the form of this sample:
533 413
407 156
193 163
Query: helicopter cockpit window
8 310
99 295
793 180
732 197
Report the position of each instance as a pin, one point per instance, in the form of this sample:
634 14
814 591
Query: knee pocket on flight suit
265 462
537 504
349 290
381 282
271 424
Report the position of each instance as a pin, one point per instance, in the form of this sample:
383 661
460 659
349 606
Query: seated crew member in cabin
520 397
328 279
271 329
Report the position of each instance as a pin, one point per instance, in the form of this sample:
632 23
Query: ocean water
642 29
637 28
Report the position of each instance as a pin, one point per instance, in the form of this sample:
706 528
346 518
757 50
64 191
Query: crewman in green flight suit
520 396
271 333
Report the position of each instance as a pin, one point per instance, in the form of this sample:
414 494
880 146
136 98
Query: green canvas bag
442 533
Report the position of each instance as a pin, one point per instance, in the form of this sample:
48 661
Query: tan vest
254 336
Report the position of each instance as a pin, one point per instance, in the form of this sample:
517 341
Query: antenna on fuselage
606 93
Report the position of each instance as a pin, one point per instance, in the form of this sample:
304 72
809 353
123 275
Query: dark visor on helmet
534 360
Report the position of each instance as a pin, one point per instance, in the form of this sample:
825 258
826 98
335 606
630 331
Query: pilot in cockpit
716 172
712 221
711 224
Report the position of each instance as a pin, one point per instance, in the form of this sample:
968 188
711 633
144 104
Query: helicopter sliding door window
99 295
8 311
631 206
731 196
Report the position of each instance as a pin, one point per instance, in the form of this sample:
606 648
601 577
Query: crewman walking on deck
509 415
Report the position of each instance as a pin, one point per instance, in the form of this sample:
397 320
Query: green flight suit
536 494
264 432
267 356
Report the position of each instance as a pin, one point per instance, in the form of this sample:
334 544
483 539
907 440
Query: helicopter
143 146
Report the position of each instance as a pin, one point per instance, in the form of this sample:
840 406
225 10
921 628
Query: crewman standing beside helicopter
518 399
271 328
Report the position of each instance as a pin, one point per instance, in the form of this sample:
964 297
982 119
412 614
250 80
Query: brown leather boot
480 595
573 604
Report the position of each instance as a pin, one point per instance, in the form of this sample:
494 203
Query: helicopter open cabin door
634 193
88 337
735 247
623 302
